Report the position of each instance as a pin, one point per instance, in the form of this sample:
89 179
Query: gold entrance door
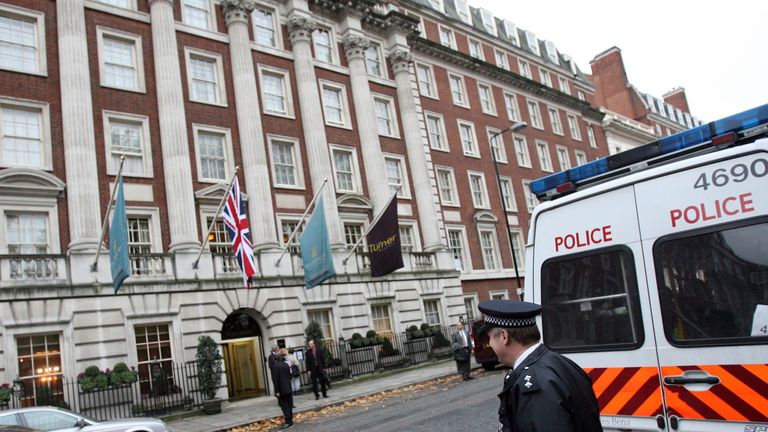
244 368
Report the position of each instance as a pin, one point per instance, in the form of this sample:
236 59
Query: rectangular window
496 140
554 118
533 42
511 31
287 227
501 59
513 111
591 137
382 321
545 161
447 38
286 162
545 78
407 242
458 91
385 116
462 8
396 177
551 52
525 69
264 26
323 318
486 99
564 87
489 22
581 157
334 98
426 80
530 199
22 136
476 49
40 367
580 94
457 246
213 147
468 140
140 245
373 62
323 44
490 249
479 190
573 126
508 194
27 234
121 61
469 306
276 95
197 13
22 40
521 151
352 233
446 183
594 301
153 350
519 247
432 312
218 241
535 115
345 169
563 158
436 131
127 136
206 77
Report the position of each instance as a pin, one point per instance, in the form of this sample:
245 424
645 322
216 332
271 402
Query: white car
51 419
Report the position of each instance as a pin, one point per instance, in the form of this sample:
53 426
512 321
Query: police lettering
702 212
586 238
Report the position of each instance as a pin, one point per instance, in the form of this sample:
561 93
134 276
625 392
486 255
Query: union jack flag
236 223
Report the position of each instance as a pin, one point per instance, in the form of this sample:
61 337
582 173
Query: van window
590 302
713 286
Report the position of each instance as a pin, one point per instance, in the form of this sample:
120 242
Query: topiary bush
209 367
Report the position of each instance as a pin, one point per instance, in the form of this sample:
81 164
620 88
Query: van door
588 276
705 236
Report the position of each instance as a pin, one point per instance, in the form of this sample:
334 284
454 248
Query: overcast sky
715 50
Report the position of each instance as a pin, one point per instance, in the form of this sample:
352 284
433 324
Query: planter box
110 396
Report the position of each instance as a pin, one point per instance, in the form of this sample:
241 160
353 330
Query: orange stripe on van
629 390
756 400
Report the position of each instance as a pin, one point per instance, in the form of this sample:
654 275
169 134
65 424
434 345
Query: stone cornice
393 21
337 7
300 28
151 2
237 10
467 62
355 46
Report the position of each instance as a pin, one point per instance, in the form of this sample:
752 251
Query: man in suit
461 344
281 378
316 368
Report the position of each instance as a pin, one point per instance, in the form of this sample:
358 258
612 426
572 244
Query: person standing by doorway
462 351
295 372
281 378
316 367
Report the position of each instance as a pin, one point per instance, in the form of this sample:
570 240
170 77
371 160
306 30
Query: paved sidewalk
255 409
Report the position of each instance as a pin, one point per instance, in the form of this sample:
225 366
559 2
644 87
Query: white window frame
462 9
229 161
297 160
555 121
501 59
525 68
533 42
564 86
462 90
441 132
443 30
331 40
501 157
534 113
510 29
530 199
405 189
342 91
275 26
38 19
573 127
488 20
131 4
416 241
474 151
431 92
510 204
581 95
517 239
581 157
211 21
545 157
439 309
15 206
490 110
221 88
474 313
563 158
483 191
591 136
287 91
515 115
288 217
356 182
478 53
523 149
392 111
498 295
455 201
153 215
101 34
551 52
490 229
146 142
465 257
45 133
545 76
380 59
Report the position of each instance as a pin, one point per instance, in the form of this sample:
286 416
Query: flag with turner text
384 242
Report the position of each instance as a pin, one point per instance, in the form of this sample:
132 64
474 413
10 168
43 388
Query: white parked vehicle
51 419
652 268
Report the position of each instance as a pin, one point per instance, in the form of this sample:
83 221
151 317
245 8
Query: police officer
544 391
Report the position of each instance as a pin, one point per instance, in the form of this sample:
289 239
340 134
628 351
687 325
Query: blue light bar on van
664 146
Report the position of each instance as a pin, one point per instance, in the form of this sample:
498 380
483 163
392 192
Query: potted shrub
5 394
209 372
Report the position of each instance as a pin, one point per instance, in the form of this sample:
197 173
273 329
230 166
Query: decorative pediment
213 194
354 202
30 182
485 216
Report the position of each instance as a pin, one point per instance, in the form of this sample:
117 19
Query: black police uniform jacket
548 393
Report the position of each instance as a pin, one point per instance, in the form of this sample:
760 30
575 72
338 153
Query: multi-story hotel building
377 98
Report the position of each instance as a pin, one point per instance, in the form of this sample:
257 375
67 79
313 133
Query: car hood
130 424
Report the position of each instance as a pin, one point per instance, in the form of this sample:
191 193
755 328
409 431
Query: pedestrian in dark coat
316 368
461 344
544 391
281 378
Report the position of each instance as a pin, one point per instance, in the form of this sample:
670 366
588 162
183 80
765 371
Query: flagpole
213 222
370 227
293 234
95 265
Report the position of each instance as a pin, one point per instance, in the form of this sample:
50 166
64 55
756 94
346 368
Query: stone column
300 32
83 204
255 160
418 148
373 159
182 221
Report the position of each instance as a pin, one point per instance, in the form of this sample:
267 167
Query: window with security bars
274 90
18 43
457 248
22 136
264 27
205 87
155 359
120 69
212 155
322 43
196 13
432 312
38 358
382 320
284 163
126 140
345 173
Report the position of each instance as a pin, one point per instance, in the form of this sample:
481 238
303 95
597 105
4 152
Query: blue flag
316 249
118 241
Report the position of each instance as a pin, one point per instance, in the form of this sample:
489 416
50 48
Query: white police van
652 268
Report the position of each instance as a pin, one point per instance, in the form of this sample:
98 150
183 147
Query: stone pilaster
83 204
254 156
300 32
424 190
373 159
182 221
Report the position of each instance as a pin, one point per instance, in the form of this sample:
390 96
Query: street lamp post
517 127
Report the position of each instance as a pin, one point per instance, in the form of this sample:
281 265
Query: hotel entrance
241 345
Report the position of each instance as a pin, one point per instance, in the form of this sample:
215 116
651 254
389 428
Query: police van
652 269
